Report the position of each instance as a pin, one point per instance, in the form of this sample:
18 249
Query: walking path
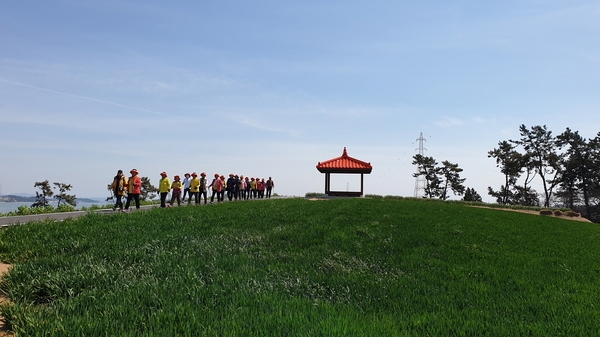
6 221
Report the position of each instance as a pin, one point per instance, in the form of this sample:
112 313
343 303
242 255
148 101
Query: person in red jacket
261 186
134 189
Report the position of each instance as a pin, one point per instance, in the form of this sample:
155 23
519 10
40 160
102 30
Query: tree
503 196
41 199
526 196
510 162
568 163
438 179
540 148
581 167
63 196
149 192
472 195
450 174
426 167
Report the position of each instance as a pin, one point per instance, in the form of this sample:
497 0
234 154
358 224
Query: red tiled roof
344 164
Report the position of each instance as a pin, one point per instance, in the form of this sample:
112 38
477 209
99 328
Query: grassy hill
343 267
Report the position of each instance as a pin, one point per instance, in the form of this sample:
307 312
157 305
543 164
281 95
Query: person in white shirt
186 187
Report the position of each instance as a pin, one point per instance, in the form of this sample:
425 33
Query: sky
270 88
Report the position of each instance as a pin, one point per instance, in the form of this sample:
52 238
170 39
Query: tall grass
368 267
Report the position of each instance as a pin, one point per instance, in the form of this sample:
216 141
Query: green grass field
294 267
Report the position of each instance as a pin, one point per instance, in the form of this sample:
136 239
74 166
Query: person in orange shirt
134 189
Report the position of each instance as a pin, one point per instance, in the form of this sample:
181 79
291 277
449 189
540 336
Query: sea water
6 207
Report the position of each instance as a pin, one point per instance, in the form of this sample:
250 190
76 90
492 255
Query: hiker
260 186
134 189
215 191
203 188
242 188
248 191
218 188
194 188
177 187
222 192
237 187
230 186
118 189
270 185
186 186
164 187
253 190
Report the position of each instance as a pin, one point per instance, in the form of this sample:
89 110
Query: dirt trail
577 218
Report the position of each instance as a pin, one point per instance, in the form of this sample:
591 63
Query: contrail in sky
84 97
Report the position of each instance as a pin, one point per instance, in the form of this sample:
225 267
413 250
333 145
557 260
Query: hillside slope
368 267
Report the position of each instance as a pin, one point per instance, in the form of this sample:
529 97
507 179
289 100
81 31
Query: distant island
18 198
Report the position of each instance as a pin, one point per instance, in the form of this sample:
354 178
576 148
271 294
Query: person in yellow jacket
164 187
194 188
119 190
177 187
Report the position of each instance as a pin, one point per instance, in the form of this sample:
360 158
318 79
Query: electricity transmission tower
420 180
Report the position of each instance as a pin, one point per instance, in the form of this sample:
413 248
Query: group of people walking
192 186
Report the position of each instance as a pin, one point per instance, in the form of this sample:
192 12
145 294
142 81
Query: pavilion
344 164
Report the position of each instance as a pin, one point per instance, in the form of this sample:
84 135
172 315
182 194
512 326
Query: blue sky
270 88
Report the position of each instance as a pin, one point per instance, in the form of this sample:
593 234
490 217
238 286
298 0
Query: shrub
572 214
558 212
65 208
546 212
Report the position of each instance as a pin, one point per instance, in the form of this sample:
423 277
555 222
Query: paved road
21 219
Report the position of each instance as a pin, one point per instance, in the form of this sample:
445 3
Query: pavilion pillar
361 184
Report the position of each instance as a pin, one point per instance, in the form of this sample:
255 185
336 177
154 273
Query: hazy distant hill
16 198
